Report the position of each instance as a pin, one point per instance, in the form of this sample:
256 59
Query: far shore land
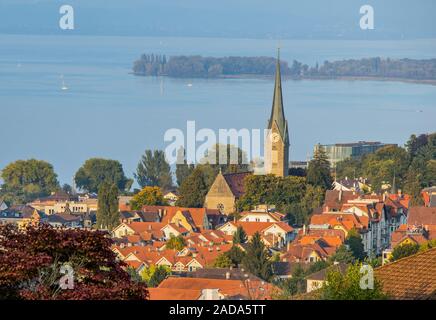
371 69
340 78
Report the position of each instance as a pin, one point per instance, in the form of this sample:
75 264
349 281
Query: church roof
277 111
235 182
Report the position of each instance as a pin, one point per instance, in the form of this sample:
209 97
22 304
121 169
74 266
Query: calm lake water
108 112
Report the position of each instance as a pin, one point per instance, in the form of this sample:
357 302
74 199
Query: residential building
316 280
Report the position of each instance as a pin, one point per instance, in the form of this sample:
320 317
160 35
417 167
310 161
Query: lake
108 112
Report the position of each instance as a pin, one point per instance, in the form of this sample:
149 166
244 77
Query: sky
288 19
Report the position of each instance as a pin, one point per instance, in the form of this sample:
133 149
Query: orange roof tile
413 277
174 294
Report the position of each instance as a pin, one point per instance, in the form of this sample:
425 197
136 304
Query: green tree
228 158
239 236
150 196
354 242
26 180
347 286
153 170
404 250
193 190
223 261
176 243
96 171
236 255
154 275
296 284
342 255
183 169
256 260
107 213
159 275
318 171
271 190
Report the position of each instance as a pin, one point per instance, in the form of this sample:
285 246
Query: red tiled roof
174 294
225 287
422 216
410 278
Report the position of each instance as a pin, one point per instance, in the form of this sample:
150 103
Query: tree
26 180
183 169
153 170
154 275
342 255
228 158
107 213
67 188
318 171
223 261
193 190
404 250
295 285
96 171
236 255
176 243
150 196
347 286
239 236
256 260
354 242
31 261
272 190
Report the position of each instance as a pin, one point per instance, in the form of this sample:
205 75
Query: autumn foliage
31 261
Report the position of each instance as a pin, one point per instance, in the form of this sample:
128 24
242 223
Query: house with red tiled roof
419 229
261 216
214 289
275 234
193 219
148 231
307 253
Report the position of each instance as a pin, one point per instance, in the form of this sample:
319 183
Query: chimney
288 245
304 229
227 275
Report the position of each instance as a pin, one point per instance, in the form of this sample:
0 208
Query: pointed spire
277 112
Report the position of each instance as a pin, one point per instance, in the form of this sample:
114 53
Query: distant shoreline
270 77
405 70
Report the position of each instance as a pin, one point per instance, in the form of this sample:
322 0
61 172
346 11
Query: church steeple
277 143
277 111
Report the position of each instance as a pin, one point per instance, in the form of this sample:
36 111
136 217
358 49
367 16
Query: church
228 188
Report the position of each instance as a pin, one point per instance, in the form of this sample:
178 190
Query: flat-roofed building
340 151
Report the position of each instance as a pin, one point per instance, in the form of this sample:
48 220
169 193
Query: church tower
277 139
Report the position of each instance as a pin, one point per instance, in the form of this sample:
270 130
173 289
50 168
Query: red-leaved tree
31 262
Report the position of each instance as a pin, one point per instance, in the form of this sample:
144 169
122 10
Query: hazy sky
308 19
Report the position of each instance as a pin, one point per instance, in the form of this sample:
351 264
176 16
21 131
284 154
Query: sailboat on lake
64 86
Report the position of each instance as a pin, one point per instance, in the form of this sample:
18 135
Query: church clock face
275 137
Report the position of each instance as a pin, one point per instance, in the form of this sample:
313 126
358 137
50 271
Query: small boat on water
189 84
64 86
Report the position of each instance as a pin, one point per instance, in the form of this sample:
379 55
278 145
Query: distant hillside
209 67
